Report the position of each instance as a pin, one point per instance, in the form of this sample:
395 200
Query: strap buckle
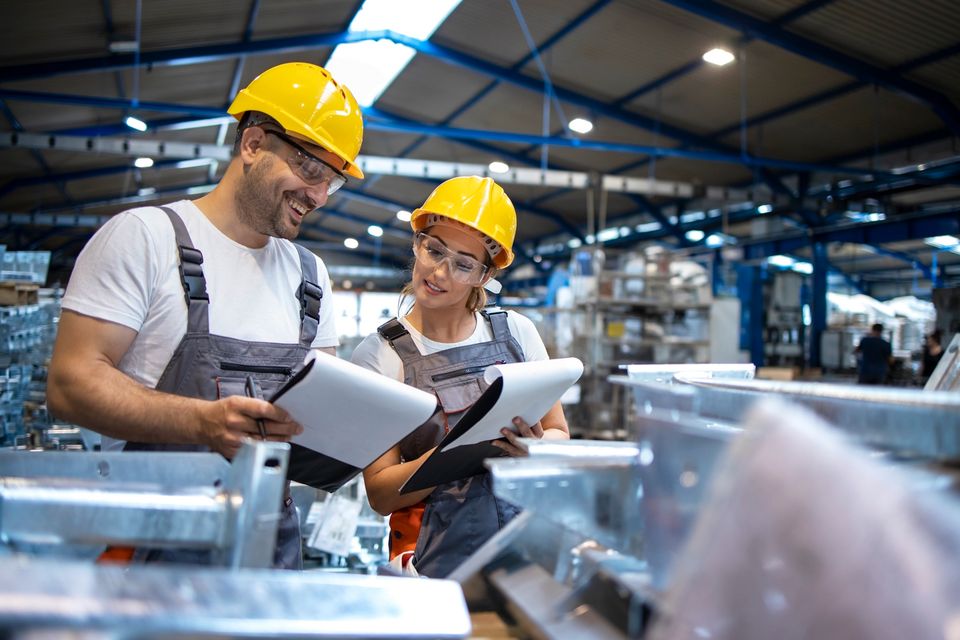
191 274
310 296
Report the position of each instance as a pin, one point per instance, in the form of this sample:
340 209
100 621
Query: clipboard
350 415
525 389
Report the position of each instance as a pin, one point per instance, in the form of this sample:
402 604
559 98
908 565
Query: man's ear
251 142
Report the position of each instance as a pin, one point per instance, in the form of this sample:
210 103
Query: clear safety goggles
463 269
310 168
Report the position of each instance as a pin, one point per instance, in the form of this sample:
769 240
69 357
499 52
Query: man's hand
225 423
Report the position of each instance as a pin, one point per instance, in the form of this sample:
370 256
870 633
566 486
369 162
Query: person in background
875 355
174 314
932 352
463 234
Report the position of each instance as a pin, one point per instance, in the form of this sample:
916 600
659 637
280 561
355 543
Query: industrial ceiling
837 123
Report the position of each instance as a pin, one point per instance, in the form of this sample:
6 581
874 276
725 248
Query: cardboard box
13 293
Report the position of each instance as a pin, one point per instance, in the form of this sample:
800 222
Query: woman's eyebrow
463 253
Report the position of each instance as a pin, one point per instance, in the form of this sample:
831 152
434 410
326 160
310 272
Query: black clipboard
448 465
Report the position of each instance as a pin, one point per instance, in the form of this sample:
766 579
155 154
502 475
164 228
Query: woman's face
434 287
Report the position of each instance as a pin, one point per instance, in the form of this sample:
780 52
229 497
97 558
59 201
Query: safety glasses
309 167
463 269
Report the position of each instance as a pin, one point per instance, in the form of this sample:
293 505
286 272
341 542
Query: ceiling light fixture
143 163
580 125
718 56
498 167
404 216
135 123
375 230
350 243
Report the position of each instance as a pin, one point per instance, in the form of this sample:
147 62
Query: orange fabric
405 529
116 555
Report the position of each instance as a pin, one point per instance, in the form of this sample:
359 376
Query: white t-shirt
376 354
128 274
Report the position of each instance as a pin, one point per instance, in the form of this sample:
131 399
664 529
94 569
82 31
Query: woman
463 235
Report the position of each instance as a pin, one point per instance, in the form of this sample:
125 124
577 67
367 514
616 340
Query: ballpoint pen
252 392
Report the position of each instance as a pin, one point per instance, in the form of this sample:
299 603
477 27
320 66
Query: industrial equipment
742 509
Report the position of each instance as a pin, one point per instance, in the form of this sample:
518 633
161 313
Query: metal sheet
168 602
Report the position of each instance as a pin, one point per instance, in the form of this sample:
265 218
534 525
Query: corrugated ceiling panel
433 88
490 30
884 32
43 31
709 99
628 45
854 122
943 76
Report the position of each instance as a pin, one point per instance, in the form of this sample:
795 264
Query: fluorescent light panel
369 67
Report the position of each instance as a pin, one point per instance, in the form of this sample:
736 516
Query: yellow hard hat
479 203
308 102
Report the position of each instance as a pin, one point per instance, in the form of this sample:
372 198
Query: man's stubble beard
257 205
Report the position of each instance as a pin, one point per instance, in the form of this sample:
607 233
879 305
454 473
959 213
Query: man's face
272 198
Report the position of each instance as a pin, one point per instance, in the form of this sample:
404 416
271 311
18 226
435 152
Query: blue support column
750 292
818 306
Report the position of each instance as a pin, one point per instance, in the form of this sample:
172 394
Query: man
174 314
875 354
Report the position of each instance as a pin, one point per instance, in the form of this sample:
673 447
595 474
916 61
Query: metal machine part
625 529
41 598
189 500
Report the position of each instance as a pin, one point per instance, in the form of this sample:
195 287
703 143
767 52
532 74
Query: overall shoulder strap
498 323
310 296
191 276
400 339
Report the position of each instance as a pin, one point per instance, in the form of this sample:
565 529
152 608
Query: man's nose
318 194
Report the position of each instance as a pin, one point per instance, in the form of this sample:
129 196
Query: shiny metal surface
172 500
667 372
43 598
116 466
907 421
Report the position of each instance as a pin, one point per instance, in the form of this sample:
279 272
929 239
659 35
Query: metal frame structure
183 500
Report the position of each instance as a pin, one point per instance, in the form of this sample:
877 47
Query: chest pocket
456 397
232 380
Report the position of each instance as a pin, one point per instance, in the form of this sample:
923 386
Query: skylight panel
369 67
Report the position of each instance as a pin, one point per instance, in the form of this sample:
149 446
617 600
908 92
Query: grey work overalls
211 367
460 516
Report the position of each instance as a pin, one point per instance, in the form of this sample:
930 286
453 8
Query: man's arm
86 387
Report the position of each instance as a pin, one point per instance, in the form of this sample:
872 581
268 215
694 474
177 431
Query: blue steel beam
467 134
836 92
546 45
860 70
70 176
577 143
213 53
904 227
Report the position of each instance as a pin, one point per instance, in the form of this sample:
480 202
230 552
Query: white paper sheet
351 413
529 390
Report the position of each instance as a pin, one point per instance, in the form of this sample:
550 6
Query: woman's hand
512 444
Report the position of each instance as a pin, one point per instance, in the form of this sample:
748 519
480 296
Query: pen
252 392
